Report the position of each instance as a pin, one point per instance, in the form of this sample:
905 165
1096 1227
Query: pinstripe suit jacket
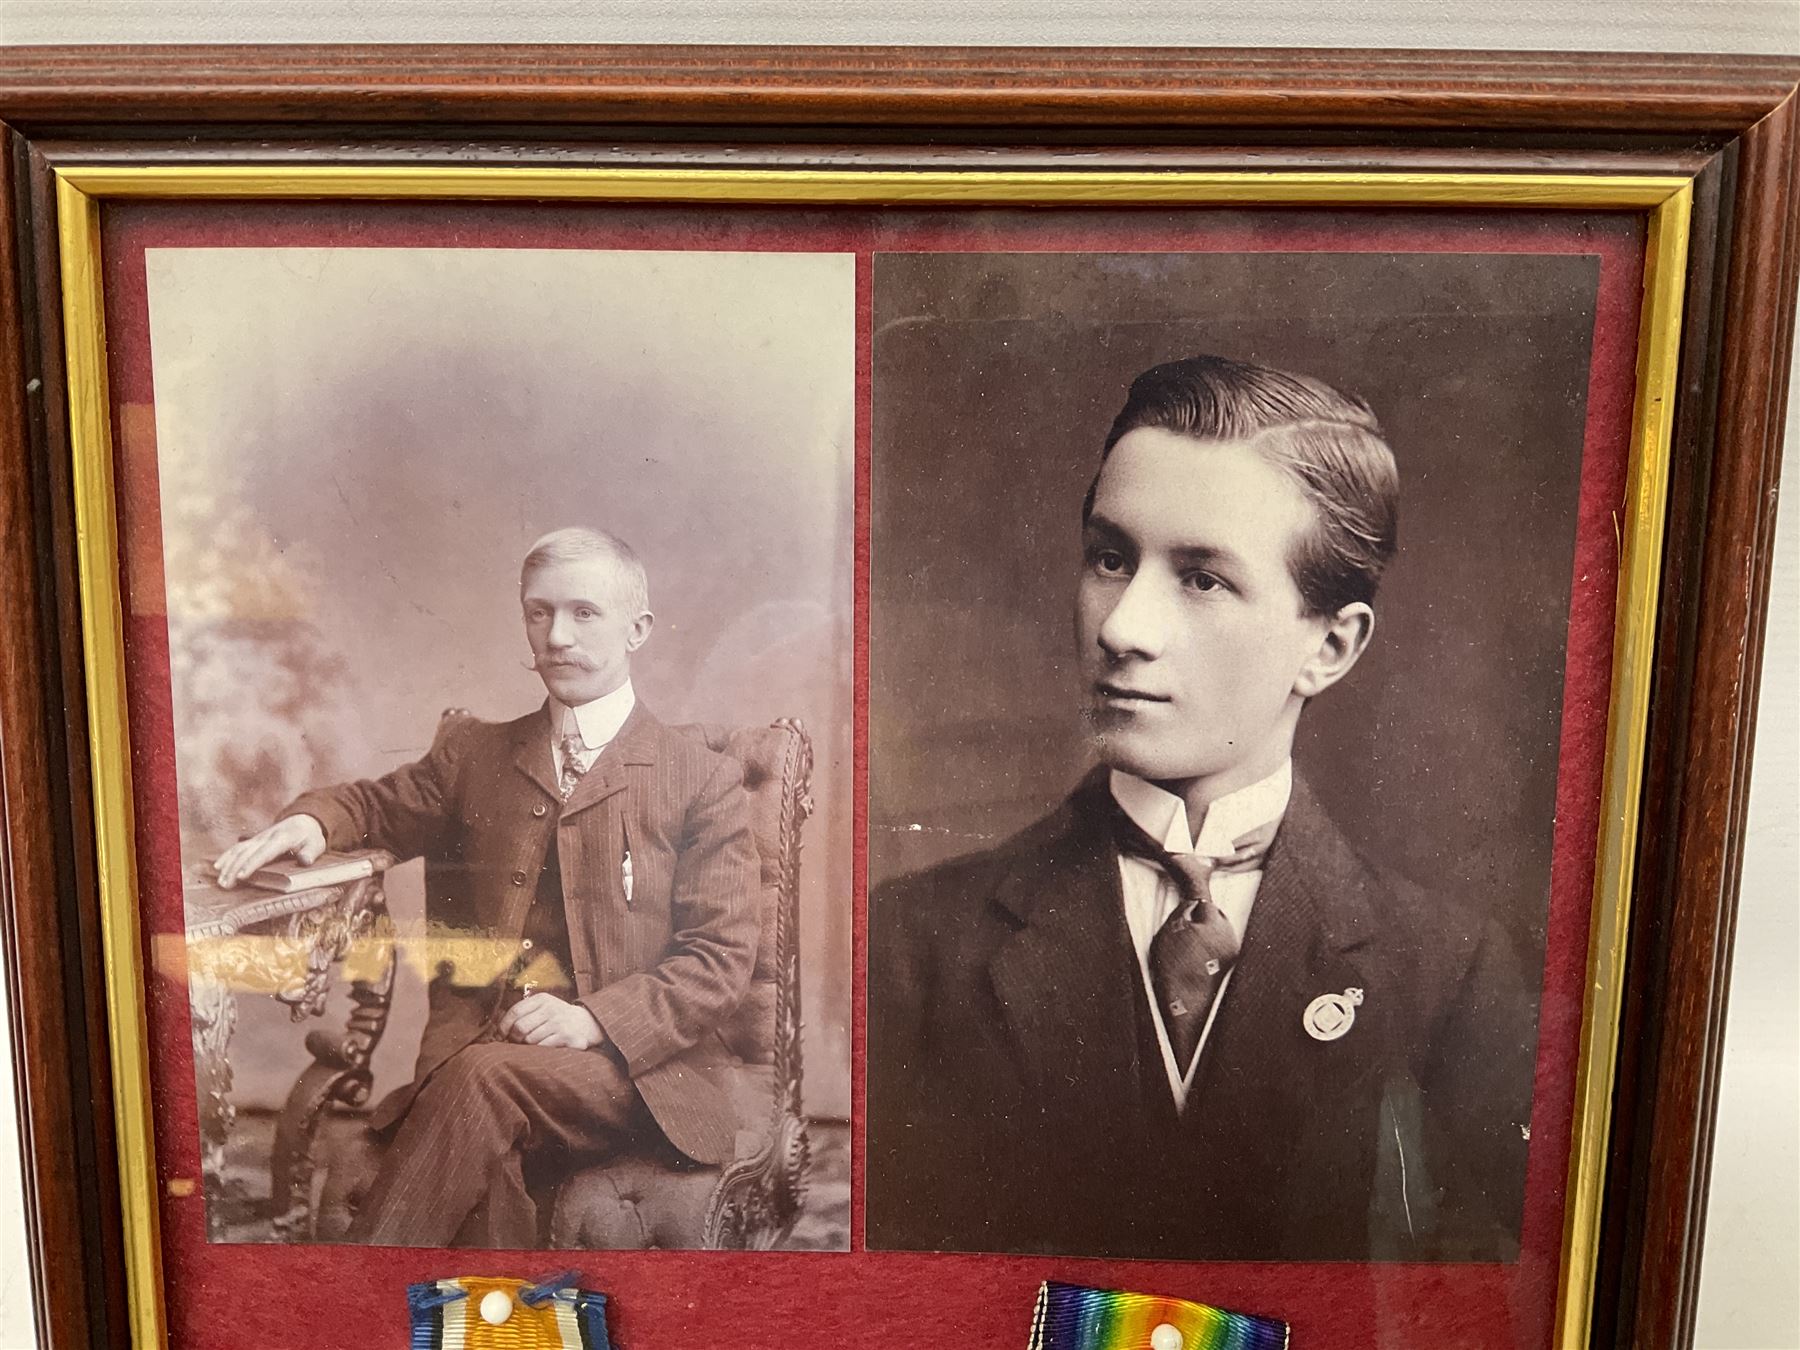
661 968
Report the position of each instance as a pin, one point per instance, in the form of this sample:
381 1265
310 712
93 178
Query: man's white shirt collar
1163 815
596 722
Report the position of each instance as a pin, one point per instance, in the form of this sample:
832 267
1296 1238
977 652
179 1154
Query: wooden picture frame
1705 149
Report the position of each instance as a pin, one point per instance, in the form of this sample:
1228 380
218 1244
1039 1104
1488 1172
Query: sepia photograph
508 609
1218 624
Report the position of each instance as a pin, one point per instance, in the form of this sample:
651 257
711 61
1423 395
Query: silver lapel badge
1329 1016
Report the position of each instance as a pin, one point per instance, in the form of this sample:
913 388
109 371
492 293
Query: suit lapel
1065 978
1311 912
634 745
1262 1074
531 750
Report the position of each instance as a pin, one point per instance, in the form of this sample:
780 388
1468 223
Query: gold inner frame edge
1667 201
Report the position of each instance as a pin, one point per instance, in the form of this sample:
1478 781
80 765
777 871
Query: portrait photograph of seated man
508 600
1218 616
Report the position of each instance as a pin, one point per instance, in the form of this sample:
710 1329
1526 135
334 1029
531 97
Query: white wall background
1750 1286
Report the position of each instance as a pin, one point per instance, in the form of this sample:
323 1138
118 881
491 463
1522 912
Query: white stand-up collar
596 722
1163 815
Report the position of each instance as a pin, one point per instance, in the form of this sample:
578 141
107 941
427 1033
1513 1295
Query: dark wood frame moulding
1729 121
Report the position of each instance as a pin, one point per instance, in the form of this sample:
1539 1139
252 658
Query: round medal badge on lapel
1329 1016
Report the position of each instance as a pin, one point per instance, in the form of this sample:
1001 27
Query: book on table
328 869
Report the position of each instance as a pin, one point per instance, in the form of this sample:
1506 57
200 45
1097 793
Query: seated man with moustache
1181 1016
611 860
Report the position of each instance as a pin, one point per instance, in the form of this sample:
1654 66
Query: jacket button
538 810
518 878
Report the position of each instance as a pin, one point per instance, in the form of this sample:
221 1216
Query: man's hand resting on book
299 837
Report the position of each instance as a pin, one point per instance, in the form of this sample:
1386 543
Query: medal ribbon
552 1315
1071 1317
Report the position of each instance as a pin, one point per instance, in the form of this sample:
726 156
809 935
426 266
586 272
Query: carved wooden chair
640 1199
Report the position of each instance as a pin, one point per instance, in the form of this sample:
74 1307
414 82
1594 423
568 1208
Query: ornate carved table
286 946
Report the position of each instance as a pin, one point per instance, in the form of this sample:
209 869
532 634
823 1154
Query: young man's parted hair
1329 443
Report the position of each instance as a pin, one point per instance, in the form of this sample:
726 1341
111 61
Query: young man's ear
1344 638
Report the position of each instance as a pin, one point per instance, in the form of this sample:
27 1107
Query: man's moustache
561 663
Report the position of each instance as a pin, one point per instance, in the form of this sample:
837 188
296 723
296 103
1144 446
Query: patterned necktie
572 769
1192 952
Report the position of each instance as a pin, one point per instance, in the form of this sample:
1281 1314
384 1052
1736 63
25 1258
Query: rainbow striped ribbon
1071 1317
553 1315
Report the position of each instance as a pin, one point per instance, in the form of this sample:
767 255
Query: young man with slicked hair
590 889
1182 1017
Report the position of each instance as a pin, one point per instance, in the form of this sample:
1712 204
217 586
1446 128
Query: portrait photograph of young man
521 579
1216 688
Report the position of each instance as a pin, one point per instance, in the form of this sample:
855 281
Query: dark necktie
1193 951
